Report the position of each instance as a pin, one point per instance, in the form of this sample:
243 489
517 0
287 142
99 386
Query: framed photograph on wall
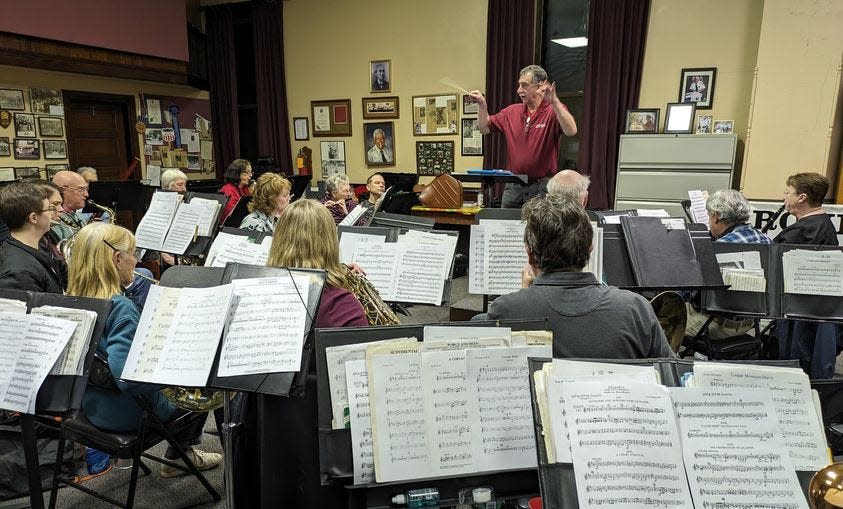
379 143
24 125
469 107
50 127
679 118
29 172
46 101
301 129
434 157
11 99
724 126
380 107
381 74
703 124
471 139
642 121
333 158
5 147
697 86
27 149
331 118
56 149
435 114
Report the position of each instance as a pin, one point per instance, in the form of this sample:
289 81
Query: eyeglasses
51 210
81 189
132 253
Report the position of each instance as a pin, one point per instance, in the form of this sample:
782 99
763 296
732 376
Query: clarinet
773 219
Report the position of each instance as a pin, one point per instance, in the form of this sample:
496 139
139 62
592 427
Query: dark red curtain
270 83
510 37
222 83
617 31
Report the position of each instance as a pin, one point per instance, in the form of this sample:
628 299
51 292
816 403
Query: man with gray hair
532 130
88 173
571 185
587 318
728 213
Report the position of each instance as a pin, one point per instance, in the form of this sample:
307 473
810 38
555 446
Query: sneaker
203 461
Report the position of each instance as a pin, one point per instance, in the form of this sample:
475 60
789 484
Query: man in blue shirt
728 213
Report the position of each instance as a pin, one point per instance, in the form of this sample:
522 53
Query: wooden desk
463 216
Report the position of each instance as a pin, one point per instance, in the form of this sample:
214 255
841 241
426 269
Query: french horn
825 491
673 317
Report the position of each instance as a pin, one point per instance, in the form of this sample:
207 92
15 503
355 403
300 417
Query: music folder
660 256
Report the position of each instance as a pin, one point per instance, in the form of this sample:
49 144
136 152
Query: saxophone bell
112 217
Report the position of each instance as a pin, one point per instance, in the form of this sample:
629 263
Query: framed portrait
471 139
434 157
333 158
642 121
55 149
331 118
380 107
724 126
27 149
50 127
5 147
381 75
24 125
435 114
703 124
469 107
11 99
29 172
697 86
46 101
301 129
679 118
379 143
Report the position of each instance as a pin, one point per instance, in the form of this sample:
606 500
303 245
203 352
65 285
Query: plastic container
422 497
483 498
96 461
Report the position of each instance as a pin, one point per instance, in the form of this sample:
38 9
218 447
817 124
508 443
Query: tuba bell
673 317
825 491
194 399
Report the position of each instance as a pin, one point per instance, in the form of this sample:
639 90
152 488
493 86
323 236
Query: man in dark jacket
26 209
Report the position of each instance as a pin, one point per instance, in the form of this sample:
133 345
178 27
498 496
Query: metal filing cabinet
655 171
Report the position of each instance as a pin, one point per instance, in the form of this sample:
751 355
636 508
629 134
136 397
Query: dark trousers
516 195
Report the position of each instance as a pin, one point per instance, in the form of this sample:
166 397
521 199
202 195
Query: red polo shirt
532 147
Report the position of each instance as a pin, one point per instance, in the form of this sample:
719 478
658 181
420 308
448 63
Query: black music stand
119 195
238 213
488 181
335 456
388 220
301 183
59 395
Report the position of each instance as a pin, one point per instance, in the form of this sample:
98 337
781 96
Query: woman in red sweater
237 178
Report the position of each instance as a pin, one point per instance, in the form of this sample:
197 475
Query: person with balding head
74 193
570 184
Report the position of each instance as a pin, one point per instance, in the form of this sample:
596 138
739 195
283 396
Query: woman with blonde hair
101 266
270 196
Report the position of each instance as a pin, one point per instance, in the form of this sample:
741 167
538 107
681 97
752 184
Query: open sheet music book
71 361
239 249
170 224
742 270
736 437
29 347
813 272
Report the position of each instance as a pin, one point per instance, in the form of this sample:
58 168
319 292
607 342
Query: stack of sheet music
742 271
458 403
170 225
739 432
72 358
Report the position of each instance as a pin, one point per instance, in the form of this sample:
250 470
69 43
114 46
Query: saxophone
64 245
112 217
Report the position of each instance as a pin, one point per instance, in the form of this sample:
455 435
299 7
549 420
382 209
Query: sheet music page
71 359
362 453
29 347
266 328
350 240
238 250
532 338
336 357
183 230
351 218
813 272
476 265
421 273
652 213
219 243
398 420
625 446
262 252
208 218
446 333
152 229
595 258
565 371
151 334
504 255
380 265
613 218
447 404
698 211
12 306
733 450
748 260
802 431
501 412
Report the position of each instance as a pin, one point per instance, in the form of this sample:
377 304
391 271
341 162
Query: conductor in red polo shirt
532 130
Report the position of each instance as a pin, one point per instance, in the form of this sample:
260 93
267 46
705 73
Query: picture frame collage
31 129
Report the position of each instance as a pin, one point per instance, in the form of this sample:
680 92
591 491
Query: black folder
660 257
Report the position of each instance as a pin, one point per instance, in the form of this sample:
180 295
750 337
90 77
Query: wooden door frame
130 109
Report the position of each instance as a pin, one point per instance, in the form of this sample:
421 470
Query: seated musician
174 180
237 178
338 199
375 187
25 208
271 196
102 264
74 193
587 319
570 184
277 459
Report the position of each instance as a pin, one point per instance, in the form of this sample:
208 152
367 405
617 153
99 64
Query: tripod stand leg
227 429
30 452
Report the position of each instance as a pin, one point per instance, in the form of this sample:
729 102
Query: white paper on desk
802 431
266 330
476 265
71 361
362 453
380 265
29 347
504 257
625 445
351 218
698 211
733 450
498 378
813 272
350 240
446 333
152 229
153 174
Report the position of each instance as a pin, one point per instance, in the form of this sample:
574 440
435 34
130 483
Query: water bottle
96 461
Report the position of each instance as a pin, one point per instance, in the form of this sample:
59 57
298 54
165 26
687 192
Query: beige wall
328 46
19 78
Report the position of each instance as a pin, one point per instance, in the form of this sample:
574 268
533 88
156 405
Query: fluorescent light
572 42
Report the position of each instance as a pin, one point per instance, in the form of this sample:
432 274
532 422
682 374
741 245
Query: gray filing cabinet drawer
708 151
668 184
